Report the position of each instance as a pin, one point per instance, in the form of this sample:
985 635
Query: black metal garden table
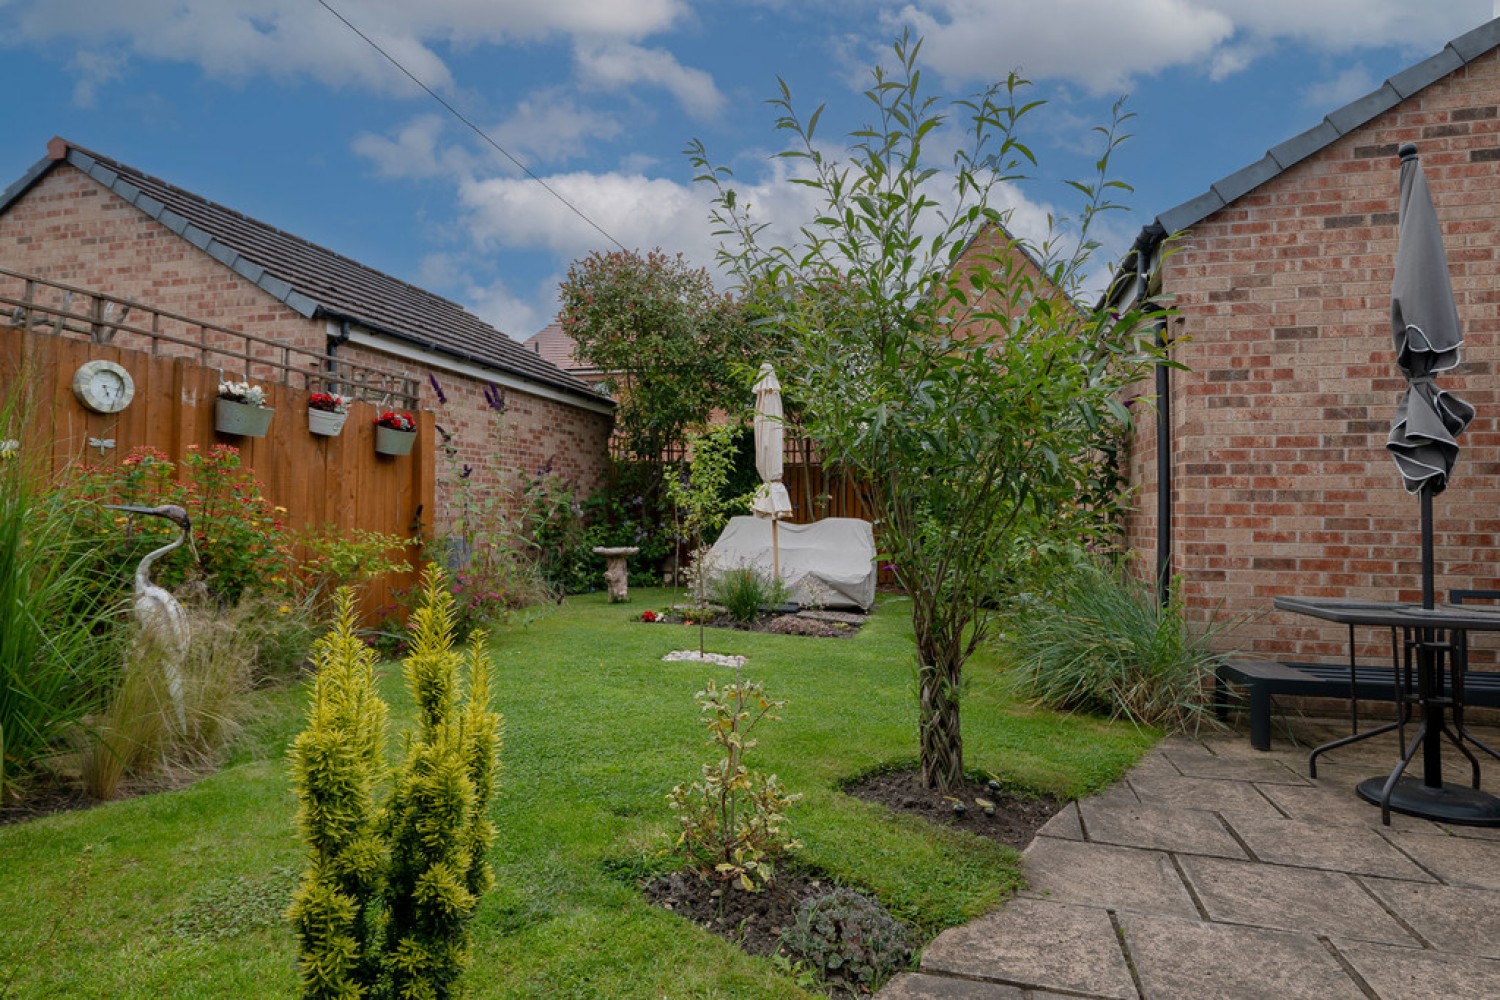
1432 637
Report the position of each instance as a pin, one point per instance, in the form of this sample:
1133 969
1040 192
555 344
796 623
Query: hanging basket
242 419
326 423
389 441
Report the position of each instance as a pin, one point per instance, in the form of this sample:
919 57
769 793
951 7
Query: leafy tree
668 342
942 361
699 489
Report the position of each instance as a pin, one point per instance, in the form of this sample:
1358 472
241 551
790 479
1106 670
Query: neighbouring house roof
310 279
1335 125
552 344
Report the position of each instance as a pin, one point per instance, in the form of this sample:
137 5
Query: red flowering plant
650 616
329 402
396 421
238 534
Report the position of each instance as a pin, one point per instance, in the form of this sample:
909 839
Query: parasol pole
1428 591
775 551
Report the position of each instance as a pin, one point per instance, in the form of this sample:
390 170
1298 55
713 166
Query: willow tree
950 366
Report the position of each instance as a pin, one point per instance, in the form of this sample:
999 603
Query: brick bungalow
1279 478
83 219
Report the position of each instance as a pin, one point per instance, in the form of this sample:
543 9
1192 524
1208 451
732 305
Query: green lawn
178 894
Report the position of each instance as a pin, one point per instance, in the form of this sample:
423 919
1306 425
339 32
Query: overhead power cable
473 127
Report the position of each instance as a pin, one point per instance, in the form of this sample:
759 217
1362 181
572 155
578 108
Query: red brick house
82 219
1279 478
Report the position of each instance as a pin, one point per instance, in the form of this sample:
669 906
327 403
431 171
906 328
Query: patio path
1217 872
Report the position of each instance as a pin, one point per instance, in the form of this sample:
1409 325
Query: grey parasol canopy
1424 321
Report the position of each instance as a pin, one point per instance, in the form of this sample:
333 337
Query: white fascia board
433 359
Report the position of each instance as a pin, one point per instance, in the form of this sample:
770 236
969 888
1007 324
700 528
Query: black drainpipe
336 341
1145 246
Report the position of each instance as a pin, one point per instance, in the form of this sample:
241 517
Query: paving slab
1205 765
917 986
1307 844
1037 944
1465 921
1237 797
1159 827
1291 899
1338 805
1063 826
1463 861
1104 876
1396 974
1187 960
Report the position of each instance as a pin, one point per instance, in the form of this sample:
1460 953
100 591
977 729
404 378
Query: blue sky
276 109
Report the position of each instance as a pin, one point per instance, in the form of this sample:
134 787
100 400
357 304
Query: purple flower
442 397
494 397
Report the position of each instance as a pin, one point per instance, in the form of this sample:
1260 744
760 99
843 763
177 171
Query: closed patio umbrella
1424 323
1424 443
771 498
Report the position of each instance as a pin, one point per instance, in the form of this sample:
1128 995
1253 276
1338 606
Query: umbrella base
1448 803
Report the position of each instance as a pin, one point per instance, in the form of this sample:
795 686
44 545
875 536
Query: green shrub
345 557
1101 643
337 764
746 593
732 820
385 904
238 534
848 936
60 637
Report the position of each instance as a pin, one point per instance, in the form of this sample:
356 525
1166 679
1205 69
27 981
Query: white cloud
616 65
1356 81
1099 43
289 39
549 125
1104 44
413 152
93 69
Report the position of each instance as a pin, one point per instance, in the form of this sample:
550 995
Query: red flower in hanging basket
396 421
329 402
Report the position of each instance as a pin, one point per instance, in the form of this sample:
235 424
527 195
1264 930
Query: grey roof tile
312 279
1473 44
1246 179
222 253
1300 147
128 191
1426 73
248 270
1354 114
150 206
1189 212
171 220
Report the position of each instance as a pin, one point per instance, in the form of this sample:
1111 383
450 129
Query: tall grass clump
138 732
746 593
60 646
1101 643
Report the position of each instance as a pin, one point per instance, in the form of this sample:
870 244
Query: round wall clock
103 386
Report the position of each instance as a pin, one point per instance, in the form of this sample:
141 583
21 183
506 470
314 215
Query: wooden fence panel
337 481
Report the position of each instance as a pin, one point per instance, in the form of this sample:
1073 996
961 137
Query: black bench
1324 680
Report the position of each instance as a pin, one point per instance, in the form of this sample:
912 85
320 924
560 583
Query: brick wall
70 229
1282 481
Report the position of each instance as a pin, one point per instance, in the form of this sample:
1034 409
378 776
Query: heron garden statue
164 625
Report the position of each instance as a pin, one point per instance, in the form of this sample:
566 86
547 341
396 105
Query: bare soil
1013 818
752 920
803 623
